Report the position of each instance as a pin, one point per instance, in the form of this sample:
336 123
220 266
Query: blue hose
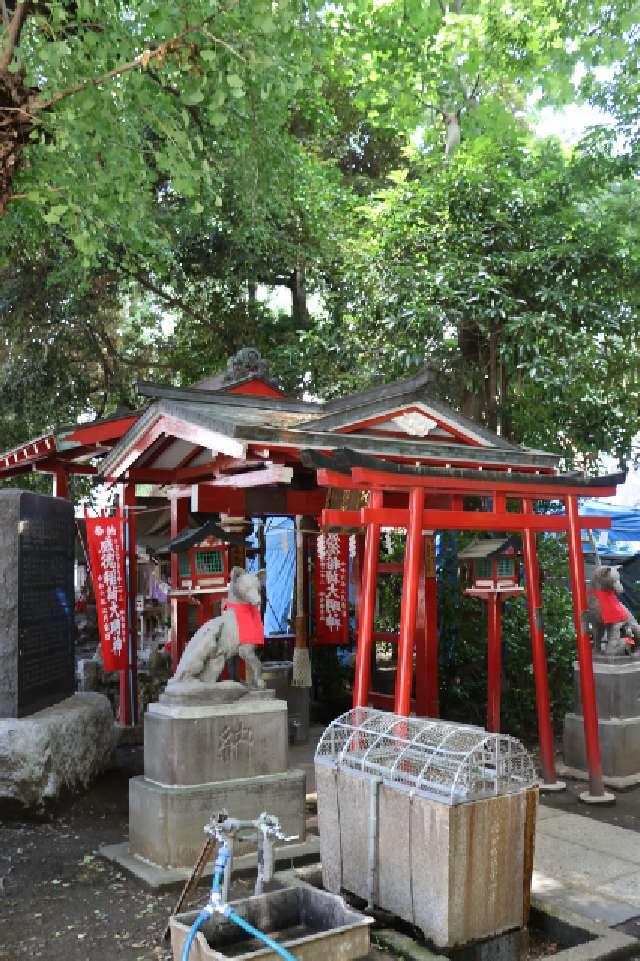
218 874
193 930
249 928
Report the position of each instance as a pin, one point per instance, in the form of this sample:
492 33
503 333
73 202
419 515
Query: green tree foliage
163 162
512 259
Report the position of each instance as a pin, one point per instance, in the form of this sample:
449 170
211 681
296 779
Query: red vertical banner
106 555
332 589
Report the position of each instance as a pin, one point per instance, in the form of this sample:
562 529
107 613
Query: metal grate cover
451 763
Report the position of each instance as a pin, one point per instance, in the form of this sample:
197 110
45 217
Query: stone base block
619 745
190 744
166 823
459 873
617 685
61 747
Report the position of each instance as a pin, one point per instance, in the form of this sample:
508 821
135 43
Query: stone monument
50 738
617 683
37 535
211 745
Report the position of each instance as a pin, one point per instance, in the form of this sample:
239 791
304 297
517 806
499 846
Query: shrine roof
485 548
348 461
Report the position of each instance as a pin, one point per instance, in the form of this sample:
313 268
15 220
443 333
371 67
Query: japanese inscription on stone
46 534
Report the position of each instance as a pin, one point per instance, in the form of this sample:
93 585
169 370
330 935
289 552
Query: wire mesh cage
451 763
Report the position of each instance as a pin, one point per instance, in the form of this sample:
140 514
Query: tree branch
143 61
14 30
170 299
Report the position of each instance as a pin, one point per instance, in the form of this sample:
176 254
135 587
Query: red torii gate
435 502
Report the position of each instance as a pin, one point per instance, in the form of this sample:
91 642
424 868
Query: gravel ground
61 901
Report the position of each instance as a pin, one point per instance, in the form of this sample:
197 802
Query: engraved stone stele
36 602
617 684
50 738
208 747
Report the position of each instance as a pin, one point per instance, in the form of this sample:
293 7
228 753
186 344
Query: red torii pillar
60 480
539 657
128 713
426 642
596 793
179 611
408 609
367 609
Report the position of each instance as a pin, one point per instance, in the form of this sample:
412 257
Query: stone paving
587 866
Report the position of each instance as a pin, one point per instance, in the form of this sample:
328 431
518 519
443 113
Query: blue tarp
624 535
281 567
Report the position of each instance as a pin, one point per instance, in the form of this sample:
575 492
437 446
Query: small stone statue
238 630
611 622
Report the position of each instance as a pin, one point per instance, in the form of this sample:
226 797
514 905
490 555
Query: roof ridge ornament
246 362
415 423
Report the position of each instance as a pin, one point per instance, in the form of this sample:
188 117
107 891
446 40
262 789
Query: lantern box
490 564
204 565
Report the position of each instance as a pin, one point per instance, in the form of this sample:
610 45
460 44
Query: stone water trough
430 821
313 925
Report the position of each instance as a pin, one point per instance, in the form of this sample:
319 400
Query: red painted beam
223 500
51 467
474 520
306 502
461 520
385 702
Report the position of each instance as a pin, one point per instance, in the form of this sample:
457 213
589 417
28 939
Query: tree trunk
299 312
453 132
15 127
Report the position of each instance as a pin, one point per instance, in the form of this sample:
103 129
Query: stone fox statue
238 630
611 622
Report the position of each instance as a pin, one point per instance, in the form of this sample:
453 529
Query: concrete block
329 828
619 745
199 743
61 747
166 822
617 682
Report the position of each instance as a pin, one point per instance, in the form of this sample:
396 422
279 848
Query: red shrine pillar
494 660
539 657
409 606
60 483
179 612
129 678
596 792
427 700
362 680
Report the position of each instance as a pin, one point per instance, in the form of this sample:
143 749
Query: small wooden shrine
490 571
392 456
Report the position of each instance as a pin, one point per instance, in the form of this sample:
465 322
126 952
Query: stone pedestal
209 748
617 682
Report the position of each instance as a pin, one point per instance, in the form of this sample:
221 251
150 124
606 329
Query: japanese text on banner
332 589
108 570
